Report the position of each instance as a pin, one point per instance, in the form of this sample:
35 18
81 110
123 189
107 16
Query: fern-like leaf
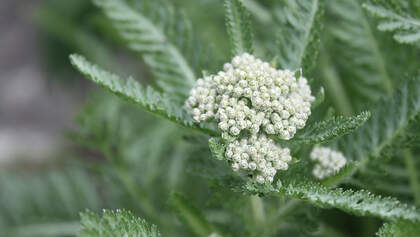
238 27
405 27
361 67
149 99
115 223
389 121
299 38
175 76
55 195
399 229
330 129
361 203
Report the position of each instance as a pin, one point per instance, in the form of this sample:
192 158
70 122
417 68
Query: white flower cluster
328 161
259 156
249 94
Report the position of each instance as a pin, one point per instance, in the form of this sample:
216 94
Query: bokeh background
36 104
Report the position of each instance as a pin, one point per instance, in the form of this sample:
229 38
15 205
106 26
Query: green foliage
330 129
399 229
404 25
299 37
57 196
238 27
149 99
361 203
378 134
175 76
191 215
343 175
115 223
395 175
361 67
217 148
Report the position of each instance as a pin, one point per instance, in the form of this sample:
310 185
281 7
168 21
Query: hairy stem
289 207
258 212
410 165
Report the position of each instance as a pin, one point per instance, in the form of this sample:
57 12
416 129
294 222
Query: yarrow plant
258 141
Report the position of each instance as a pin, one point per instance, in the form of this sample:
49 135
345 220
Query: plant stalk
410 165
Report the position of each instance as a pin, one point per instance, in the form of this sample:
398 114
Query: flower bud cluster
249 94
258 156
328 161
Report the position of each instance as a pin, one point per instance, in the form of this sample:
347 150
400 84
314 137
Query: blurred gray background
34 109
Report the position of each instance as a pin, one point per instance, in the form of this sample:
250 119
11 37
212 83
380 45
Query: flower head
250 94
328 161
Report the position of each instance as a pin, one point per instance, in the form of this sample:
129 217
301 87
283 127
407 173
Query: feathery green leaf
361 203
238 27
115 223
405 27
361 65
149 99
299 38
390 119
330 129
399 229
55 195
175 76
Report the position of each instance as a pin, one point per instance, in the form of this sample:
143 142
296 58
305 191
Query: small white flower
328 161
260 179
235 166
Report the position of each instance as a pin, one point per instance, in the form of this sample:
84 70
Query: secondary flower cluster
328 161
258 155
250 95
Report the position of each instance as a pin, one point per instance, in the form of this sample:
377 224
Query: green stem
289 207
410 164
259 11
258 212
334 86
